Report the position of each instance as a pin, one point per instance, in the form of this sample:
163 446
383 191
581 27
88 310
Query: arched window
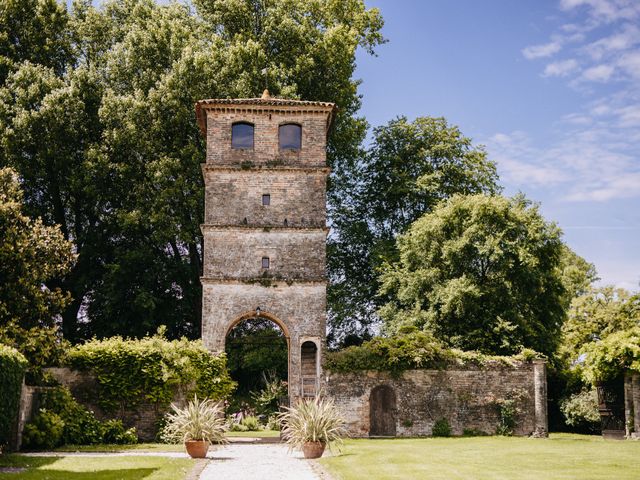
290 135
242 135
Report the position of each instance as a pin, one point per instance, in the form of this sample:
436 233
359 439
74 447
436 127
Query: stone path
259 462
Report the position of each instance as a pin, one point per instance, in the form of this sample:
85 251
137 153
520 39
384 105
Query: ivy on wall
412 350
12 368
151 369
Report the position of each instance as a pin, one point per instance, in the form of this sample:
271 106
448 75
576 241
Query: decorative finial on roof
265 94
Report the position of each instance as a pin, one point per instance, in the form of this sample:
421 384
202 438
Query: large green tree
480 273
31 253
407 169
106 138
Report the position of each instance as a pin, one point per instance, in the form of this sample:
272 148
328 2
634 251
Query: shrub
44 431
151 369
78 426
199 420
266 400
509 410
238 427
441 428
12 368
313 420
409 350
581 411
114 432
251 423
273 423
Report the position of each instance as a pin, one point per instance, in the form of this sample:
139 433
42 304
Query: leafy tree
408 168
595 315
108 145
480 273
30 254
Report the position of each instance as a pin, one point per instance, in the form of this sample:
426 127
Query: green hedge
151 369
12 368
412 350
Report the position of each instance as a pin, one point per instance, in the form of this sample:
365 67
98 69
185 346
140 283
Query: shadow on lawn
42 468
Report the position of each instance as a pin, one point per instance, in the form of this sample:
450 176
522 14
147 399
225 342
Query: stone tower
265 224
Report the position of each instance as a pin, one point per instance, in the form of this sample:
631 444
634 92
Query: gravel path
259 462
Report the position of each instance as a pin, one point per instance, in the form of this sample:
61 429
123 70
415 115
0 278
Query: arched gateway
265 224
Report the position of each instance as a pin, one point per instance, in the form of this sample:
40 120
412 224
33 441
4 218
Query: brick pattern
466 398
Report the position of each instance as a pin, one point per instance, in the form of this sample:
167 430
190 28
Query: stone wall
632 405
466 398
234 196
144 417
266 149
237 254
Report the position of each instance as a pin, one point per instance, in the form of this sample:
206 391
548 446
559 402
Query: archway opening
258 359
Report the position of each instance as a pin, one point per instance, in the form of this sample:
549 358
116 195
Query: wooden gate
382 412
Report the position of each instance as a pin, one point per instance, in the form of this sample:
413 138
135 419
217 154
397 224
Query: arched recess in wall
309 368
290 136
382 412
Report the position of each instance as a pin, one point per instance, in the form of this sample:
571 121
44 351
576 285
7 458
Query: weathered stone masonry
466 397
239 231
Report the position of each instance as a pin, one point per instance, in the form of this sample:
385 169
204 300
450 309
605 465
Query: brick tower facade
265 224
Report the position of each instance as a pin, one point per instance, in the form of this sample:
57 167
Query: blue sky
551 87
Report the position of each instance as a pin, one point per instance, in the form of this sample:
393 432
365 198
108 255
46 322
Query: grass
96 468
561 457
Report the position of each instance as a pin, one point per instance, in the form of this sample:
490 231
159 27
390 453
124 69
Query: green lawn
566 457
96 468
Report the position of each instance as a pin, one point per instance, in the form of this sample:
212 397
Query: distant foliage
408 350
151 369
12 368
581 411
610 358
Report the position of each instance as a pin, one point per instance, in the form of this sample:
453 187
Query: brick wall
466 398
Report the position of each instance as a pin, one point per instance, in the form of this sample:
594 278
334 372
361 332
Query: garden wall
144 417
409 404
632 405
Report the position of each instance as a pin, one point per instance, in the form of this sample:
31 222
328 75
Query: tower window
266 199
265 262
290 136
242 135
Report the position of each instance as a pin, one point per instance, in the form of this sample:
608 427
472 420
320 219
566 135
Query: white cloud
561 68
626 38
630 63
541 51
599 73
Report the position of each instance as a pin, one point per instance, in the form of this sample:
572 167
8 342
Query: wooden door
382 412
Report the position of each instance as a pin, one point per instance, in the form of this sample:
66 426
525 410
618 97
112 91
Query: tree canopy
408 168
481 273
96 114
31 253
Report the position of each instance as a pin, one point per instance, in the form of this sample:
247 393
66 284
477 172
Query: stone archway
258 348
382 412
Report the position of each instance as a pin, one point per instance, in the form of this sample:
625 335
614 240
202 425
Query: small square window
266 199
265 262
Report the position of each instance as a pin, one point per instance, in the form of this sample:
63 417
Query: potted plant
197 425
311 425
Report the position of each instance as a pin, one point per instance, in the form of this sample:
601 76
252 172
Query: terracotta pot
313 449
197 448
